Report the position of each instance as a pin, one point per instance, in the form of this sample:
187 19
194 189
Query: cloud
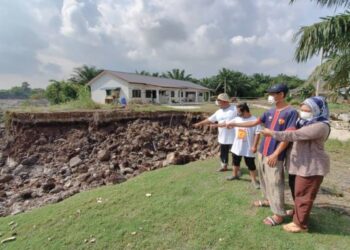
240 40
42 40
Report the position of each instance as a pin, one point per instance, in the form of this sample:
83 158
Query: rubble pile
46 164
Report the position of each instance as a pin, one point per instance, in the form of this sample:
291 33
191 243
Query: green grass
339 107
191 207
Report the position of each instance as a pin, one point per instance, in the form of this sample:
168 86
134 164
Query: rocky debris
46 164
75 161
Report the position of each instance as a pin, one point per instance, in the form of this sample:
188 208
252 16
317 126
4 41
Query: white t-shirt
225 136
244 137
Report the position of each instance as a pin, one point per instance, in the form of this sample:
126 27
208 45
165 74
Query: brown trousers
305 191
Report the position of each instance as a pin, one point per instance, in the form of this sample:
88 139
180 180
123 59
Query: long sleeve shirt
307 156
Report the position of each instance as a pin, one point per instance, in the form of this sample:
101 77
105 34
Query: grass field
190 207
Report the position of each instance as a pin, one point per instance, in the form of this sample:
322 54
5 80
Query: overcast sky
46 39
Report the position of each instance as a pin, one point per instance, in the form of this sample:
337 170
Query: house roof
151 80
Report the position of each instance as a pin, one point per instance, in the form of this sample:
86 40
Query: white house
109 86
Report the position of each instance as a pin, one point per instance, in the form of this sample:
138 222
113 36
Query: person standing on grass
272 152
308 162
245 144
226 112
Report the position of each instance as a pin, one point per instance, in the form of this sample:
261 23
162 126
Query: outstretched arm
201 123
232 124
305 133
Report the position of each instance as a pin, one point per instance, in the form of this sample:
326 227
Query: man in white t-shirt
245 144
226 136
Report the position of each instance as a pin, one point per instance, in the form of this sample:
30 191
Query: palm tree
234 83
82 75
146 73
178 75
331 39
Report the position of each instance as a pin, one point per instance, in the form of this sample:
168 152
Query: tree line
22 92
233 82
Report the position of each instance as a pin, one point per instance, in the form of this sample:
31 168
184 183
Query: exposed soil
46 163
43 161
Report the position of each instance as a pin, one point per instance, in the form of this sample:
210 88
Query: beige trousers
272 184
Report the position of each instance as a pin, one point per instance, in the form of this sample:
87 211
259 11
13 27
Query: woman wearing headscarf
308 162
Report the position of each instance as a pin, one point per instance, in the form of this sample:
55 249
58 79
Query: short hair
243 107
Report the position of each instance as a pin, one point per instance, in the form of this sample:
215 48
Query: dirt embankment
45 162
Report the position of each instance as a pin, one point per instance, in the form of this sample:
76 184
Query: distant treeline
233 82
22 92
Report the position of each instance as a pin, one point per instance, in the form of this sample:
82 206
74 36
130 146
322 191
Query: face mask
271 99
216 102
305 115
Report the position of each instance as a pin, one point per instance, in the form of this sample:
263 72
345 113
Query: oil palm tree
82 75
331 39
178 75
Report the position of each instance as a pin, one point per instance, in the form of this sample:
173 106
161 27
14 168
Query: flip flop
270 221
231 178
260 203
294 228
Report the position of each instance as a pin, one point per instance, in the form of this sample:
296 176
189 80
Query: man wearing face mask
226 136
272 153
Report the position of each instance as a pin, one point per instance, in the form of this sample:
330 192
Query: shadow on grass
326 220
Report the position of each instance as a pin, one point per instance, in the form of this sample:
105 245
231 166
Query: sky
46 39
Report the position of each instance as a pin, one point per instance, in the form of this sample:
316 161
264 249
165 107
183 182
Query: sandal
260 203
231 178
271 221
294 228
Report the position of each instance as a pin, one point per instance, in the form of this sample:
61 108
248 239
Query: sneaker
256 184
231 178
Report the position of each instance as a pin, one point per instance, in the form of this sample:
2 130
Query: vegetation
82 75
22 92
235 83
331 39
188 207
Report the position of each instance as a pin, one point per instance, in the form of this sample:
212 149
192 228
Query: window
172 93
200 94
163 93
148 93
108 92
136 93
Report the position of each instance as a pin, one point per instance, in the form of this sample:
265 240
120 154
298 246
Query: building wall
98 88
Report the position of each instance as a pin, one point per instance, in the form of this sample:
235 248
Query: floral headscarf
319 109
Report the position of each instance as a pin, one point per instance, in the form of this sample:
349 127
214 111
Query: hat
223 97
277 88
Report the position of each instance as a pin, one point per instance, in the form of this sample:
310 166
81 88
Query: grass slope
191 207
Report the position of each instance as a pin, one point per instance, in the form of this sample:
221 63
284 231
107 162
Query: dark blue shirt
277 120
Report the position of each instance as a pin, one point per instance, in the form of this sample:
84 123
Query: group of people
291 140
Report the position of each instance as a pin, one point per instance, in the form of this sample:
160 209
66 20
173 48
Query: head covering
277 88
223 97
319 110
